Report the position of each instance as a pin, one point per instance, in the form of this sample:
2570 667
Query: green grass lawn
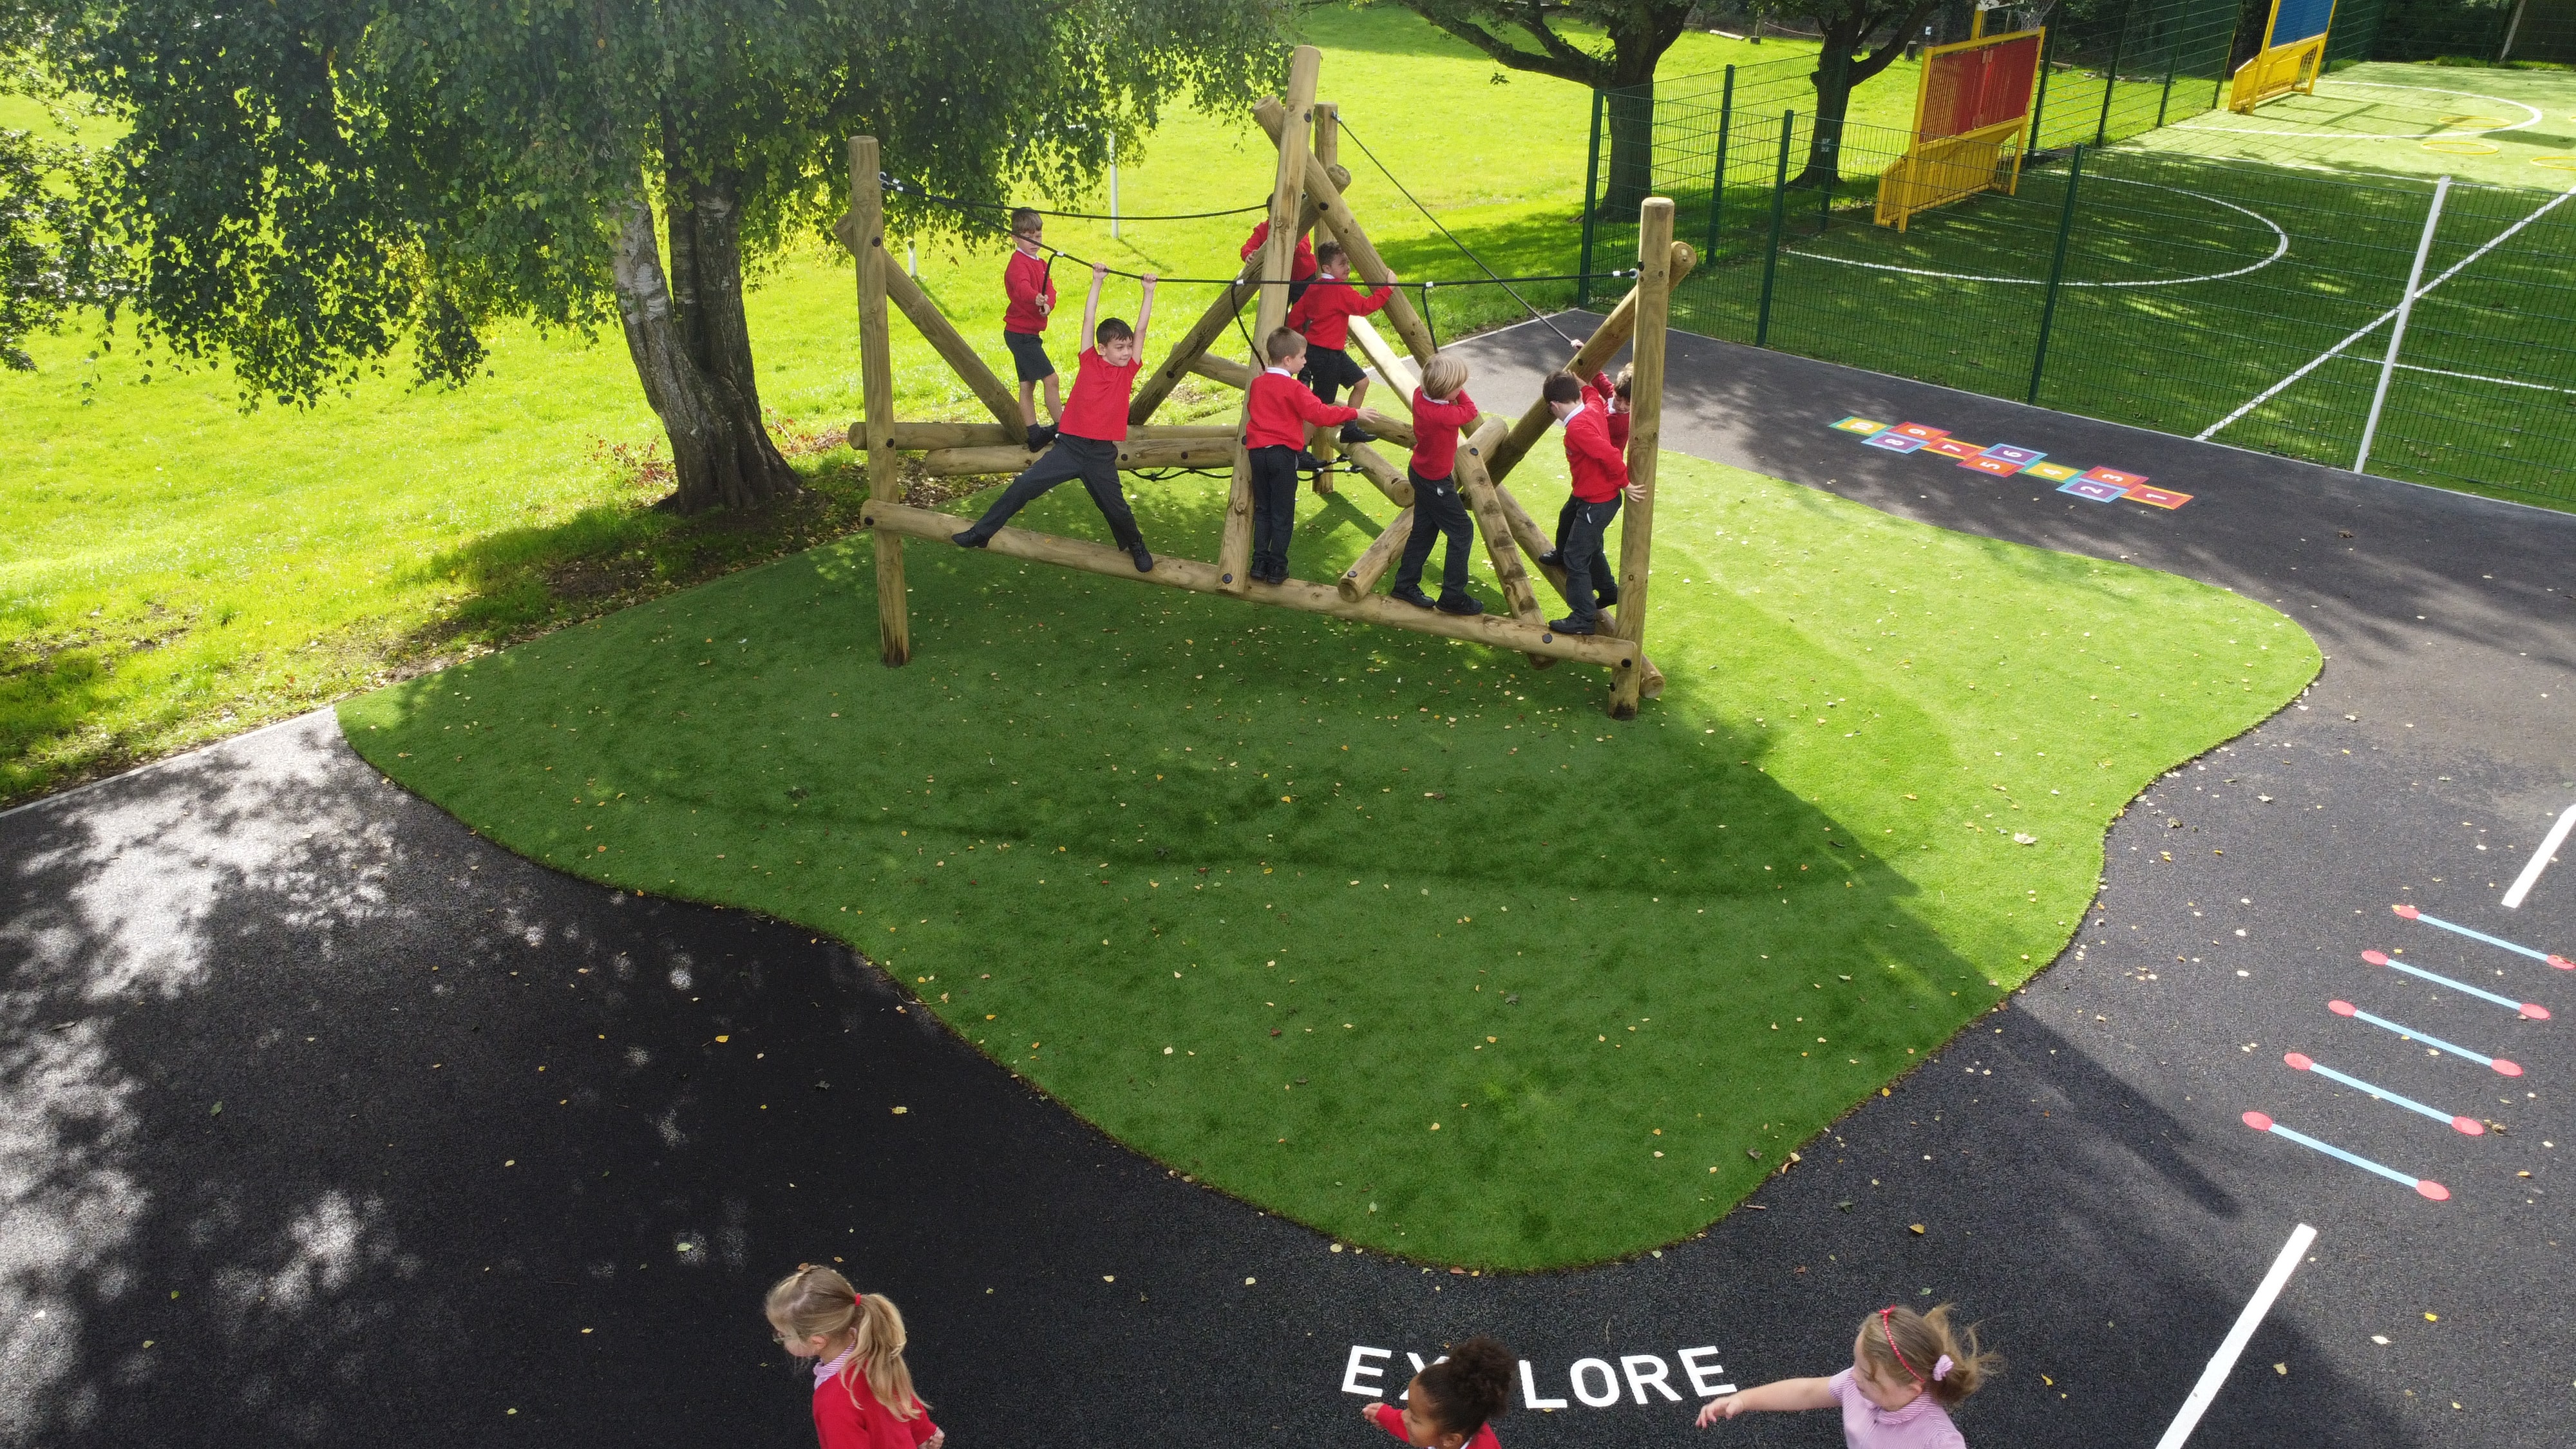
1205 871
173 569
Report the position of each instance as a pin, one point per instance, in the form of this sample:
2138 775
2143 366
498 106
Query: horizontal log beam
923 437
1222 369
1181 573
1217 452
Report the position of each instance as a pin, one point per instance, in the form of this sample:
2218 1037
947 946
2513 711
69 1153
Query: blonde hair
1923 1340
816 1302
1443 375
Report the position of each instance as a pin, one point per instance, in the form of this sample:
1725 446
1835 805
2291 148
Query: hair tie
1890 1335
1941 1368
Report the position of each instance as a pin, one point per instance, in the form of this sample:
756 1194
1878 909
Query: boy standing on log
1610 399
1088 432
1030 288
1441 408
1277 412
1600 473
1323 317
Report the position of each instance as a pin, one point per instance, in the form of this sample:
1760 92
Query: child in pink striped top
1908 1371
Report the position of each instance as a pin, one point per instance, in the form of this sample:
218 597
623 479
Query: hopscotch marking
2224 1361
2530 876
2466 1126
2411 913
2423 1185
2408 1033
2382 958
2374 324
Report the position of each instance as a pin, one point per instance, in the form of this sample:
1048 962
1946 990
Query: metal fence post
2111 77
2039 104
2056 270
2397 333
1717 187
1833 149
1779 213
1591 203
2173 59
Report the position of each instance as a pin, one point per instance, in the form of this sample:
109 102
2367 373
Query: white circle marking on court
2315 133
2280 249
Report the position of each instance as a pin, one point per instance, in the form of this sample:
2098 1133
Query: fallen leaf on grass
1915 1228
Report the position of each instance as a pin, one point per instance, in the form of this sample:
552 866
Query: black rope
1453 240
898 184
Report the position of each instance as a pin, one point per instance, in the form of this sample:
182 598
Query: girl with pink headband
1908 1371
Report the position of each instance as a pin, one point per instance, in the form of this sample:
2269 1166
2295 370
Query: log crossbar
904 520
1308 188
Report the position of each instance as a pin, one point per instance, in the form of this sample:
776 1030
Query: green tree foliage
54 253
309 183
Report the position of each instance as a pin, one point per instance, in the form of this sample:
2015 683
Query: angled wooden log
1396 429
1222 369
1500 548
1390 480
939 332
922 437
1360 579
1338 219
1134 453
866 217
1278 258
1535 543
1645 439
1190 574
1203 334
1392 367
1591 357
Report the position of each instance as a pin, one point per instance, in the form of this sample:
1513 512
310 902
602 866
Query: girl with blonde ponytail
863 1396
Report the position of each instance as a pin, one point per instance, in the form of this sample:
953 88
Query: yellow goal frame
2278 71
1938 172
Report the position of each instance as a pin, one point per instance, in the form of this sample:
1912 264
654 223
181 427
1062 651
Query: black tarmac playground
245 1201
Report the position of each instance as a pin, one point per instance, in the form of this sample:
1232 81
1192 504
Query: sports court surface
242 1227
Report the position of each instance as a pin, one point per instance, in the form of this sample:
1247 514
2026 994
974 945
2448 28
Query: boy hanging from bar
1277 412
1028 284
1088 432
1323 317
1441 408
1301 271
1600 475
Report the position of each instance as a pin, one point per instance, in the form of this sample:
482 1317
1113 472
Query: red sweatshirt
1391 1419
1599 469
1298 270
1435 431
1279 409
1024 281
1324 314
1602 396
848 1416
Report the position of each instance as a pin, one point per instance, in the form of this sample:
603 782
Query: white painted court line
2530 876
2267 394
2481 377
2215 1376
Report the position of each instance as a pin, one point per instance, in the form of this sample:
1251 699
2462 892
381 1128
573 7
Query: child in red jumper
1276 413
863 1396
1451 1404
1301 269
1441 408
1323 317
1088 433
1029 284
1600 476
1610 399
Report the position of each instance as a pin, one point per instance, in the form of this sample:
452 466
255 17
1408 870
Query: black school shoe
1570 626
1461 604
1352 432
1608 594
1551 560
1411 594
1144 560
969 539
1040 435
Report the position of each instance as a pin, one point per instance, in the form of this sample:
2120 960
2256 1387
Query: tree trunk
1629 111
721 455
1833 82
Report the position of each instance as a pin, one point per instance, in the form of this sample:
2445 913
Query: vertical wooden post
1645 437
876 391
1328 150
1278 258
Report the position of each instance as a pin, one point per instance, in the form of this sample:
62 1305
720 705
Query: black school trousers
1438 513
1274 508
1587 568
1068 457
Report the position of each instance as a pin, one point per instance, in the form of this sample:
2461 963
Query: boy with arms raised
1088 432
1030 289
1323 317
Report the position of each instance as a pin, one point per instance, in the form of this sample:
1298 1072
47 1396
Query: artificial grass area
1394 936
